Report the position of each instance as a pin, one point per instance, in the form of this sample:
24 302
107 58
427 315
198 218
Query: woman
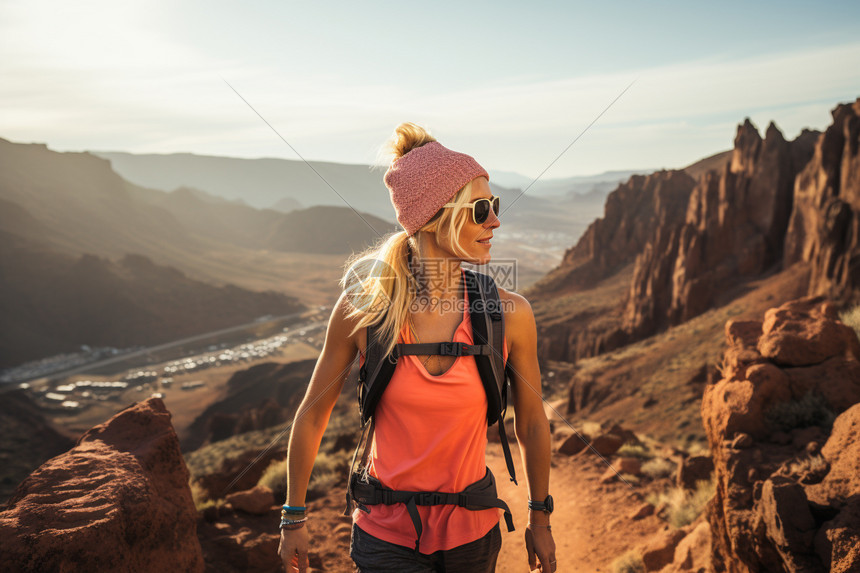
429 428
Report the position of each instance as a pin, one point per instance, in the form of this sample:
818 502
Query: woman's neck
439 278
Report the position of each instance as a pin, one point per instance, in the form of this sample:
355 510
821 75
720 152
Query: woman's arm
531 425
332 369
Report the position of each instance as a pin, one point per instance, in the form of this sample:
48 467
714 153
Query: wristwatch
546 505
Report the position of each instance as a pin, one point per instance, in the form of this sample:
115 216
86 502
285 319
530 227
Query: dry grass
328 469
630 562
201 497
657 468
208 459
275 478
640 451
683 506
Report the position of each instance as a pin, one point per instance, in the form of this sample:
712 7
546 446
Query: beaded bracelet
294 508
292 514
548 527
291 524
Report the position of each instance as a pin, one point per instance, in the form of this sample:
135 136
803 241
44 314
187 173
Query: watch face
549 504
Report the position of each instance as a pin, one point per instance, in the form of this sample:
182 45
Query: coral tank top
430 434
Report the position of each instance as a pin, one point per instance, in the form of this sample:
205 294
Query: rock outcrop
825 224
691 245
787 493
118 501
734 227
634 212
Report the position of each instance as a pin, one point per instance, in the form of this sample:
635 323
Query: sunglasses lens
482 210
496 205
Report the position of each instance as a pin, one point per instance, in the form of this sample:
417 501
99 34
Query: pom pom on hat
424 179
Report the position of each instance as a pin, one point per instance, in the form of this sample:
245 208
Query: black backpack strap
366 435
488 327
444 349
374 375
477 496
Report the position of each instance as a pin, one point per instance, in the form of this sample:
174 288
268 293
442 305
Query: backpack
488 330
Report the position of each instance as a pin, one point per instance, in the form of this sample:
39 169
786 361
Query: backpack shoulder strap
375 374
488 327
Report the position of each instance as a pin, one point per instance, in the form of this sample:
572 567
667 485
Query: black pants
373 555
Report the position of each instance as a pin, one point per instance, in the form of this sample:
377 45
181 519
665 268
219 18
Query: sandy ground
590 523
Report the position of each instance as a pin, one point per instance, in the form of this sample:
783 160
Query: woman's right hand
293 549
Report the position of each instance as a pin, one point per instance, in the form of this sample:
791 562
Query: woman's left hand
541 547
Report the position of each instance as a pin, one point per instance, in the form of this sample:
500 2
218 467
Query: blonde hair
380 282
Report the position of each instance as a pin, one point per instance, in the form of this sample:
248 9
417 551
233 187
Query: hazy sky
511 85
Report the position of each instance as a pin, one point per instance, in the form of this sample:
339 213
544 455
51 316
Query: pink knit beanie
426 178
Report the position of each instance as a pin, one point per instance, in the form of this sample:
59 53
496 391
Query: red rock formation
118 501
691 553
734 227
825 224
779 505
633 213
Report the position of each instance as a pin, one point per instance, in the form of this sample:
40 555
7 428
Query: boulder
842 451
778 505
257 500
691 553
118 500
838 541
659 551
573 444
805 332
790 527
629 465
604 444
642 511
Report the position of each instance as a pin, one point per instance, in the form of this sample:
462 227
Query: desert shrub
851 317
684 506
631 479
630 562
275 478
209 458
327 472
657 468
631 450
201 497
811 410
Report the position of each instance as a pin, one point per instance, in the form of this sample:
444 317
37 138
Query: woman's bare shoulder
514 303
343 321
518 311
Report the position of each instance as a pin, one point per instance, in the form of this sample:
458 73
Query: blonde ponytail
379 282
